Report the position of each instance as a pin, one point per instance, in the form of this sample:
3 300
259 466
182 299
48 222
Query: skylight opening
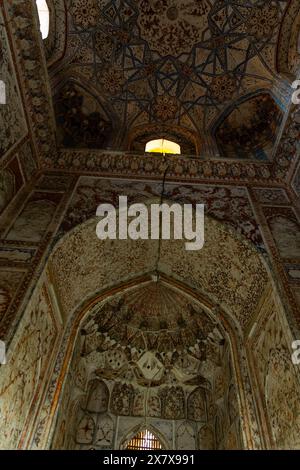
44 17
163 146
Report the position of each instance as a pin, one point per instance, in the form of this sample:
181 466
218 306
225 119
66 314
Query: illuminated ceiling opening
162 146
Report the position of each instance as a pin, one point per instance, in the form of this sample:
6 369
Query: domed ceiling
138 68
155 333
154 317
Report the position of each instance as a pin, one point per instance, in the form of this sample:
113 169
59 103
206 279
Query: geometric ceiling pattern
171 65
165 67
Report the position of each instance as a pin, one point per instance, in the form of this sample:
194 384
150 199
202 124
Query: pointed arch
144 437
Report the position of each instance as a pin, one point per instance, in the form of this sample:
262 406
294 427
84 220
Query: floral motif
175 48
85 13
173 27
122 399
223 87
262 21
165 107
111 79
103 46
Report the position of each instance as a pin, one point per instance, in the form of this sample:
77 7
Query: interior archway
202 347
158 358
238 294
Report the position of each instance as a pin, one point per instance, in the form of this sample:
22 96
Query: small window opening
162 146
44 17
144 440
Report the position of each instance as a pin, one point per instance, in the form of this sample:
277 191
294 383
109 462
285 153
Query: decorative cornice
188 169
153 167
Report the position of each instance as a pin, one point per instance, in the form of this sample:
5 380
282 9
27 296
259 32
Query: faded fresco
106 340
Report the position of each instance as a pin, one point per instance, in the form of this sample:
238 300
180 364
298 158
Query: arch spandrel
228 269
